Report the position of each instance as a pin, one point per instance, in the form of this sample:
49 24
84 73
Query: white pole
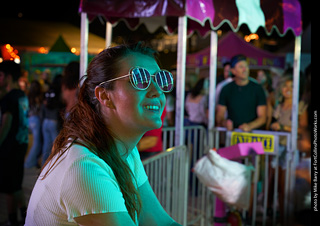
294 127
180 83
295 100
108 34
84 45
212 86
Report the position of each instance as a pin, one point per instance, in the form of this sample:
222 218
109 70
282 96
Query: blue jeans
35 150
50 132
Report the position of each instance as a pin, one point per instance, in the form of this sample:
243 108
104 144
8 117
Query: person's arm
5 126
302 120
220 115
169 110
102 219
222 109
259 121
269 114
170 118
221 120
152 213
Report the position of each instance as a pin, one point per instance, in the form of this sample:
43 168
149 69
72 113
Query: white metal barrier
195 138
168 174
264 180
190 202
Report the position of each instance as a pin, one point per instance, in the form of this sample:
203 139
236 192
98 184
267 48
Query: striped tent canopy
203 15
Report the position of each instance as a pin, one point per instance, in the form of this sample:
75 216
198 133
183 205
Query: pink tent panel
132 8
203 15
283 15
280 14
230 45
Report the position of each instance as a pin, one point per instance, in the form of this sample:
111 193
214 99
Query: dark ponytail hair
85 121
197 89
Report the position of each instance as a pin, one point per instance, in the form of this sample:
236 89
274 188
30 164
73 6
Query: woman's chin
156 124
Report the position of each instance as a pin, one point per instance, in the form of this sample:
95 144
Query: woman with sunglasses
94 175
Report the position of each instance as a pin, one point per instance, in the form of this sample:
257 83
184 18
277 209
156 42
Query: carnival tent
60 45
232 44
204 16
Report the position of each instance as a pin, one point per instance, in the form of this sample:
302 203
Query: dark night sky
55 10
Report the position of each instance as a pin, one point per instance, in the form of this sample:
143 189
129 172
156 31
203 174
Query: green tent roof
60 45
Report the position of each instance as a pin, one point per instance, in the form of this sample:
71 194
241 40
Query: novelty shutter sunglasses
140 79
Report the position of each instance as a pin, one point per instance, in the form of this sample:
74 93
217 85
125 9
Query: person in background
306 88
52 116
151 142
264 79
94 175
282 112
35 97
13 140
196 105
302 191
243 99
24 82
170 104
3 90
70 81
228 77
282 122
226 70
44 79
276 74
303 170
170 112
226 73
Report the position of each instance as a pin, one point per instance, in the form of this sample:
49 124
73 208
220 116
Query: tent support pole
108 34
84 45
294 129
212 85
296 82
180 83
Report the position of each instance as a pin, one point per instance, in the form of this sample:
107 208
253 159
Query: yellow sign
204 60
266 140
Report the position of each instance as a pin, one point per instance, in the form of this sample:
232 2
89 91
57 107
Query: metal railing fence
168 174
190 203
270 172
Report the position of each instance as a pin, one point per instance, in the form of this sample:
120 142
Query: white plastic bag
229 180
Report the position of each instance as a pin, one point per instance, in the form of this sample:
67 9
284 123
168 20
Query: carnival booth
232 44
205 16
